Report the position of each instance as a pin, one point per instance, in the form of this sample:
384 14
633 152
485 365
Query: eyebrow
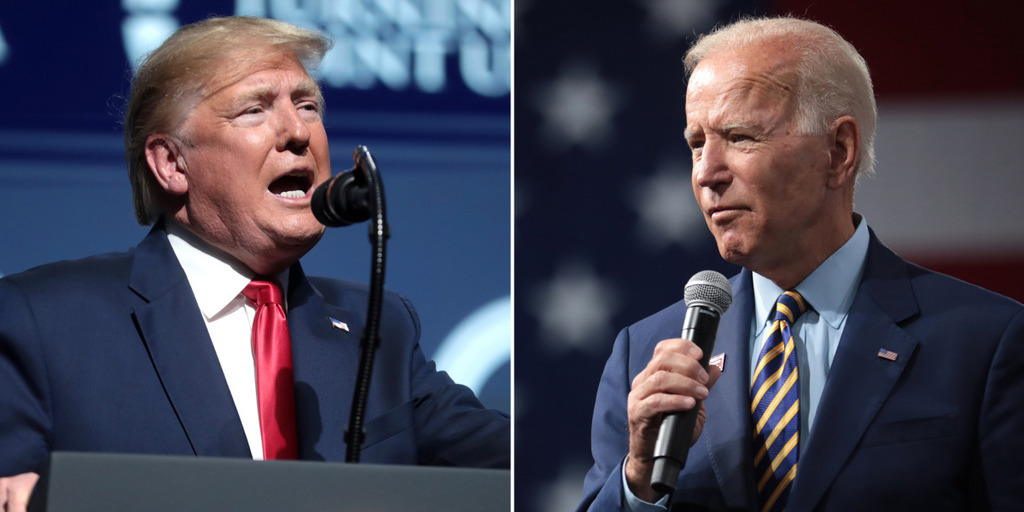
261 92
738 126
688 133
307 87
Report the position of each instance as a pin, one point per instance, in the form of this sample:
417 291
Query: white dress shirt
217 281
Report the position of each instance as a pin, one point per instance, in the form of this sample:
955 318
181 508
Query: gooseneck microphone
347 198
708 294
354 196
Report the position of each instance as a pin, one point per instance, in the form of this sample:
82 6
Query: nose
293 134
709 167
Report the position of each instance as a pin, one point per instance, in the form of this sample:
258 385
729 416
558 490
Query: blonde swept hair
171 80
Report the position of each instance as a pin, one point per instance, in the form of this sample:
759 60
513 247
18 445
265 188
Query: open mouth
292 186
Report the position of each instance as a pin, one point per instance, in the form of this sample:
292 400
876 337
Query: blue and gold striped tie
775 406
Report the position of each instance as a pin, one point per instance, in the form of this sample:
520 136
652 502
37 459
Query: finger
15 491
698 426
713 374
673 383
4 484
679 345
673 356
646 412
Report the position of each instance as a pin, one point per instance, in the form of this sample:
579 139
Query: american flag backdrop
606 227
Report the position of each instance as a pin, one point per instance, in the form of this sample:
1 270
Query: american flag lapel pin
887 354
338 324
718 360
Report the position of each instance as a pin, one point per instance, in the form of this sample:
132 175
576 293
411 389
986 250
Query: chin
300 229
733 252
281 254
731 256
302 241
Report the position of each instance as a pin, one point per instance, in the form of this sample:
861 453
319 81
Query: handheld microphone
348 197
708 294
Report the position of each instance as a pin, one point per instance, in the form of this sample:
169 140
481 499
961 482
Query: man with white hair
851 380
207 339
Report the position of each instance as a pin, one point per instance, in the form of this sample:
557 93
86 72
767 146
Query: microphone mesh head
708 288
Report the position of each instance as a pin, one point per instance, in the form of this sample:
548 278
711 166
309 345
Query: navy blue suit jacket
940 428
111 354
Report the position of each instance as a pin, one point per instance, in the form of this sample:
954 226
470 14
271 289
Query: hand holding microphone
664 405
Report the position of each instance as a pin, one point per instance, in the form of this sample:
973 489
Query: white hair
832 77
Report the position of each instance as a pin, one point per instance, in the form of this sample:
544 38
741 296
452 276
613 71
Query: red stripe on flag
1000 273
927 47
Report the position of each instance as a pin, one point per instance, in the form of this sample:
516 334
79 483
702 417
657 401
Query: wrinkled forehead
748 75
217 75
243 63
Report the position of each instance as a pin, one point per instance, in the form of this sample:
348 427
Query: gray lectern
83 482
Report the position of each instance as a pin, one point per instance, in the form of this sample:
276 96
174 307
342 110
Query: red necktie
275 389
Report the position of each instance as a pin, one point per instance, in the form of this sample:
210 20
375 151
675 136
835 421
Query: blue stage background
425 85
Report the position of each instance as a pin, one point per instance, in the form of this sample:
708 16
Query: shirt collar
216 278
829 290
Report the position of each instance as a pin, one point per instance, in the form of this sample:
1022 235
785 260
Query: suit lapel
179 345
859 381
728 428
325 354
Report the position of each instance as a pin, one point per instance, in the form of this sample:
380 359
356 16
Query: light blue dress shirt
829 292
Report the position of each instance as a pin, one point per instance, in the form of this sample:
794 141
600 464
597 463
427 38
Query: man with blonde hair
849 379
207 339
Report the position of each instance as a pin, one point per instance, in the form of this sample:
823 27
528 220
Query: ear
844 153
163 153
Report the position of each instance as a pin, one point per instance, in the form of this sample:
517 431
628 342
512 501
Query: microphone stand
355 197
379 231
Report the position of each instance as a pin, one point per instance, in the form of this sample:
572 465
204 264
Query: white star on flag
577 109
668 211
574 309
